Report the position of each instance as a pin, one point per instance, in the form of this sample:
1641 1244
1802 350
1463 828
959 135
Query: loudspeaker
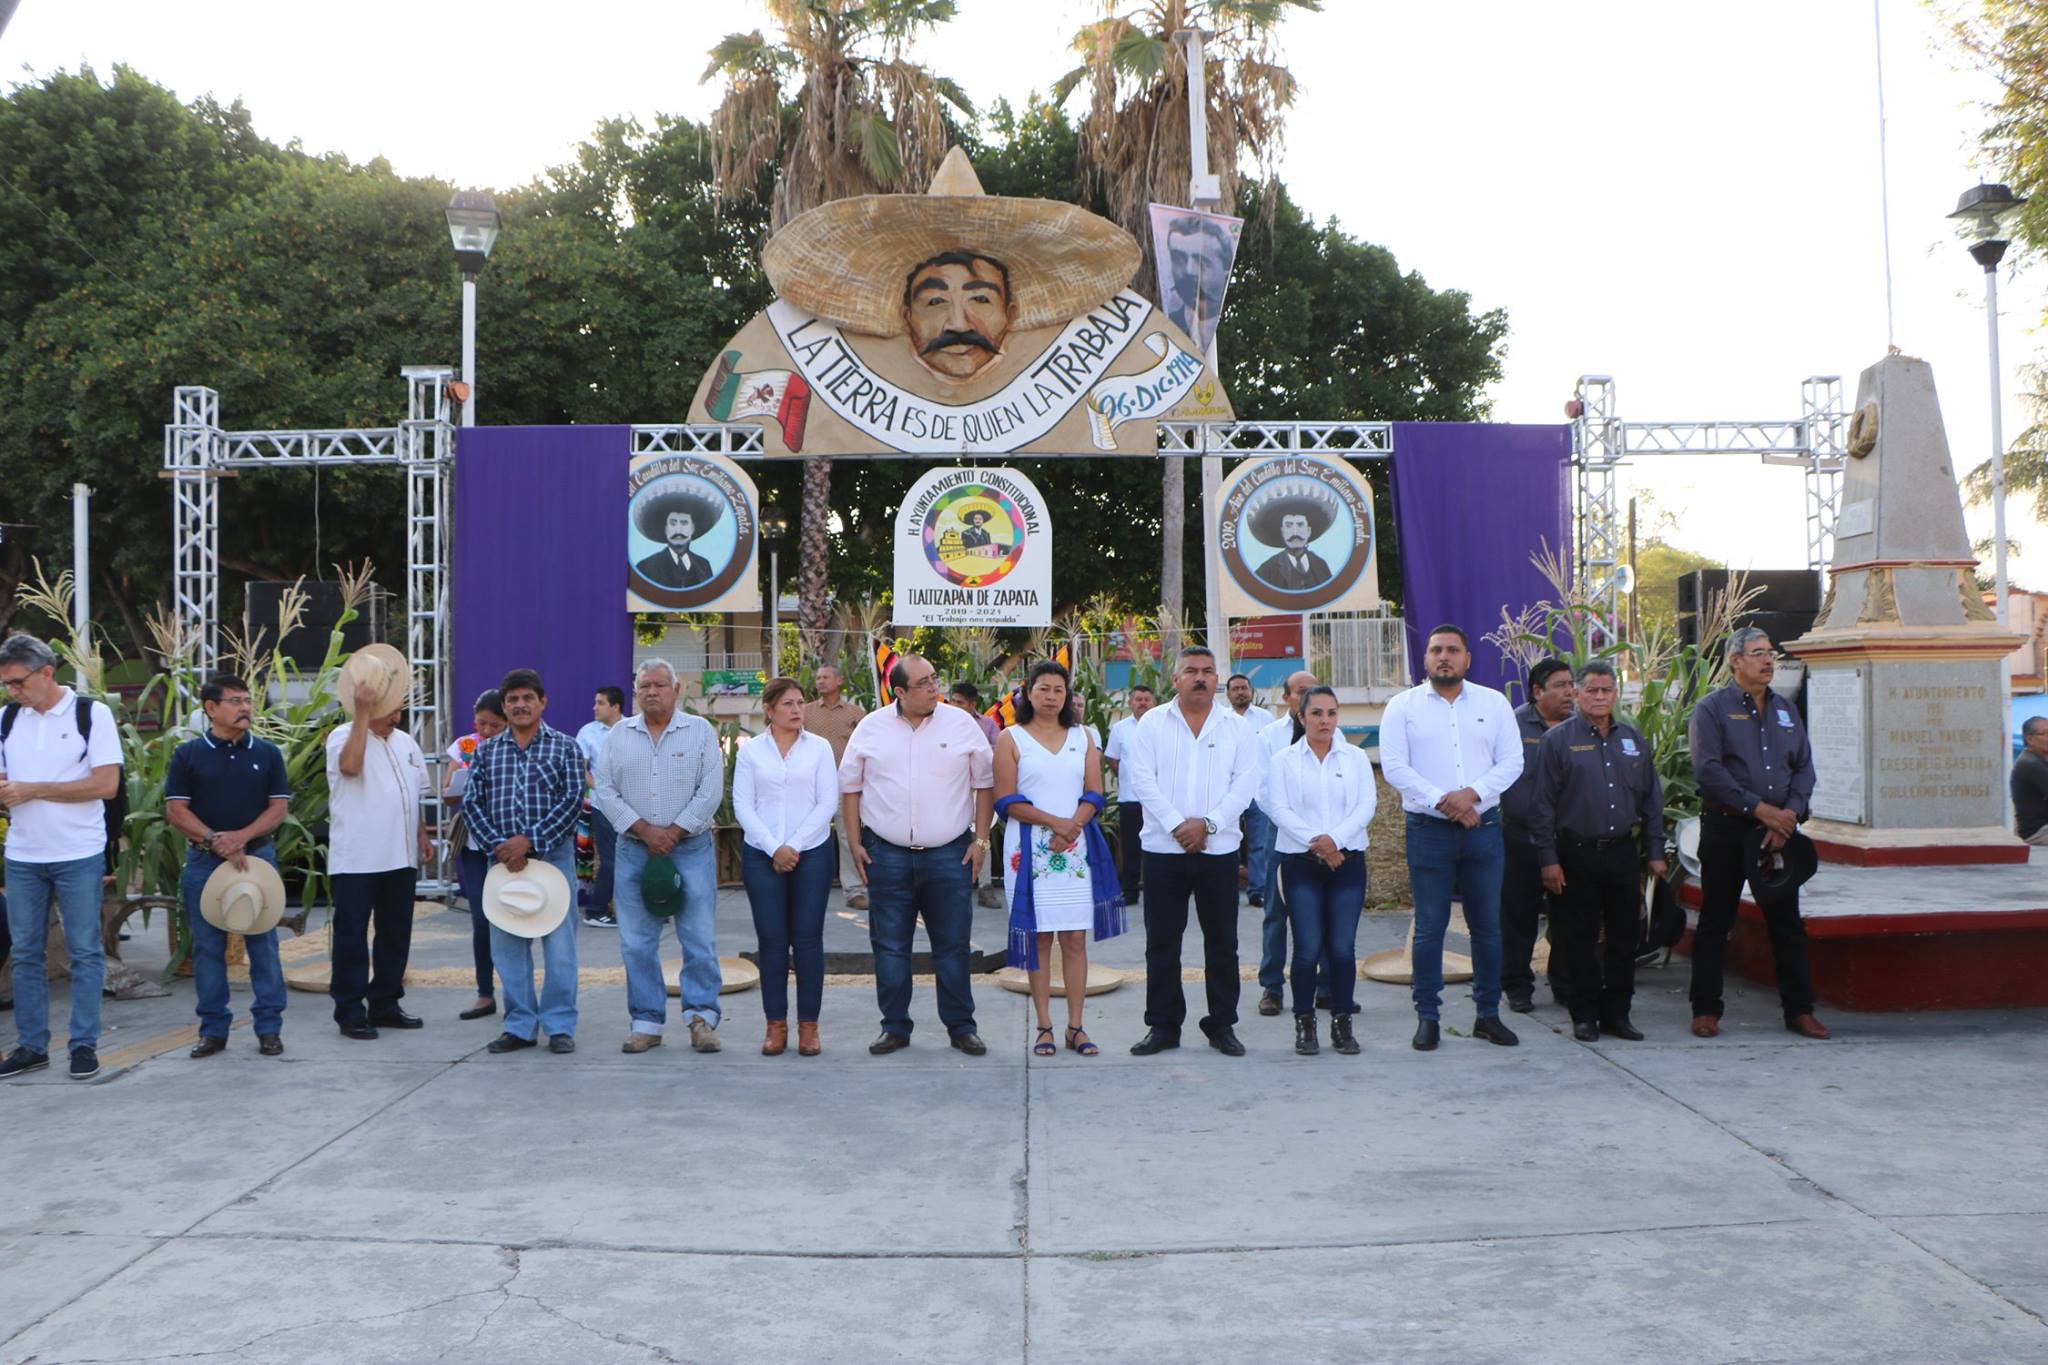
306 646
1784 610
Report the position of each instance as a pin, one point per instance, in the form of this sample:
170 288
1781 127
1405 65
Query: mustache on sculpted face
969 338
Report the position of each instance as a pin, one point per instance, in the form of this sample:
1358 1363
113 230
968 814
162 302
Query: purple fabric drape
1473 501
540 557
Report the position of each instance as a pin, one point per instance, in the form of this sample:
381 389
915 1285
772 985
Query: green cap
661 889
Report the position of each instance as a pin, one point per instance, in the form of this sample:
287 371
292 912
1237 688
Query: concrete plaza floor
1877 1198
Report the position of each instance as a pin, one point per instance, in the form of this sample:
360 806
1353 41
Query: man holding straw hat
376 842
227 792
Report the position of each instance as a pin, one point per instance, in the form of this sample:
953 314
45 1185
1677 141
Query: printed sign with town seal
973 548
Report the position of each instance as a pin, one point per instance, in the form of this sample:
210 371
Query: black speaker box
306 646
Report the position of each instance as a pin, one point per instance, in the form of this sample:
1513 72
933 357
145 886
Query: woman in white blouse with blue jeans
1320 794
785 789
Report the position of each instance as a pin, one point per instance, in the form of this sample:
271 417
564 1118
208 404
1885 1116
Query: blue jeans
210 957
904 883
1323 905
1446 859
1258 849
696 861
789 913
604 840
76 887
554 1009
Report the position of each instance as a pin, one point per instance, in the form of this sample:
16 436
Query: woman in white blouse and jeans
785 789
1320 795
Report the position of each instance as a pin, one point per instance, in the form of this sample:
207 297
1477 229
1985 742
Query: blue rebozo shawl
1108 895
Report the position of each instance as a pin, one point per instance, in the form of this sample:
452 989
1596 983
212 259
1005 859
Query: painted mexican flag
780 394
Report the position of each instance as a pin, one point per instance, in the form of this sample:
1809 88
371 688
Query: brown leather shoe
777 1041
1806 1026
807 1044
1705 1026
207 1046
637 1043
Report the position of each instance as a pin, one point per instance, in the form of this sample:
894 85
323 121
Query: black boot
1340 1035
1305 1035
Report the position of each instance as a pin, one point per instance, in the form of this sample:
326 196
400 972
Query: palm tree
1134 140
835 111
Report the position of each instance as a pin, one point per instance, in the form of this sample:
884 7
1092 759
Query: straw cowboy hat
381 666
1290 497
849 261
248 900
530 903
650 513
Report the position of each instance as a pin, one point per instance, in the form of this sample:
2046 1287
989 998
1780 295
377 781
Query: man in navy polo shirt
227 793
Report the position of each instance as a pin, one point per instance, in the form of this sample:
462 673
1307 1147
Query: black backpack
115 807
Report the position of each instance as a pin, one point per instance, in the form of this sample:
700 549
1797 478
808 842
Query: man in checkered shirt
525 793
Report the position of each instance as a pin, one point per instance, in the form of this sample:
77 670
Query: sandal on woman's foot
1085 1047
1044 1046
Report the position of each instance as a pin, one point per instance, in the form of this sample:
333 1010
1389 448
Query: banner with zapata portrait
973 548
1295 534
1192 253
692 537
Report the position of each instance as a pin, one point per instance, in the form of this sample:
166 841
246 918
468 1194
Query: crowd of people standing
1553 810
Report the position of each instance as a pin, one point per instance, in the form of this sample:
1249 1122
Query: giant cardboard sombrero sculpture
957 322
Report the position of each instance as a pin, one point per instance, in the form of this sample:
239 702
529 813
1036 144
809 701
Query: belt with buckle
1731 812
1601 842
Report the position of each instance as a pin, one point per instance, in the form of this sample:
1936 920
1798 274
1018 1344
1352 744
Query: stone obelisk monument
1905 701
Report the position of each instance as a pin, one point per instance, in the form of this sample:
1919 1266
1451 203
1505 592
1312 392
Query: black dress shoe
1585 1031
1621 1028
970 1043
1340 1036
508 1042
1305 1044
1225 1042
1521 1002
397 1018
561 1044
1155 1040
207 1046
1257 899
479 1012
270 1045
1269 1002
359 1030
1427 1033
1494 1031
889 1042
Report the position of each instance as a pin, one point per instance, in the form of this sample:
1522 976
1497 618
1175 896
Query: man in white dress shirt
1194 766
1451 747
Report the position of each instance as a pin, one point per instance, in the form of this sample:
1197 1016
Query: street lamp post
774 526
473 230
1984 218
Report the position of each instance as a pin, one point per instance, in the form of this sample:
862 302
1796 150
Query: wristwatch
1208 824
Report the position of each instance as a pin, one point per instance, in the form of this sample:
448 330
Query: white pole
469 350
81 560
774 613
1204 193
1997 445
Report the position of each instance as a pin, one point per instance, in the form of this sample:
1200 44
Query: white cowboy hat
531 903
381 666
246 900
848 261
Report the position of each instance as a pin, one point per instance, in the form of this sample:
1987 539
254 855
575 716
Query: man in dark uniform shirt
2030 782
1754 767
1523 900
1596 786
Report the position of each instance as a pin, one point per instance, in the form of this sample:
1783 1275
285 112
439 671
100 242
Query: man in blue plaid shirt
524 795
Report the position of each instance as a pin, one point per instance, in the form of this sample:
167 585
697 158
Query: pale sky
1683 197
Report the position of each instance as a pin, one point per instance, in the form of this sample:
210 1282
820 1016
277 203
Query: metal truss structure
1352 440
1603 443
198 454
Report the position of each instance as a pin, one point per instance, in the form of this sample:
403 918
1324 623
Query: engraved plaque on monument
1903 692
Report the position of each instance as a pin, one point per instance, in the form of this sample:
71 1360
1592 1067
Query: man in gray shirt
660 778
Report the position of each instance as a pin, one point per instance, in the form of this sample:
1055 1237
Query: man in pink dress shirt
917 792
